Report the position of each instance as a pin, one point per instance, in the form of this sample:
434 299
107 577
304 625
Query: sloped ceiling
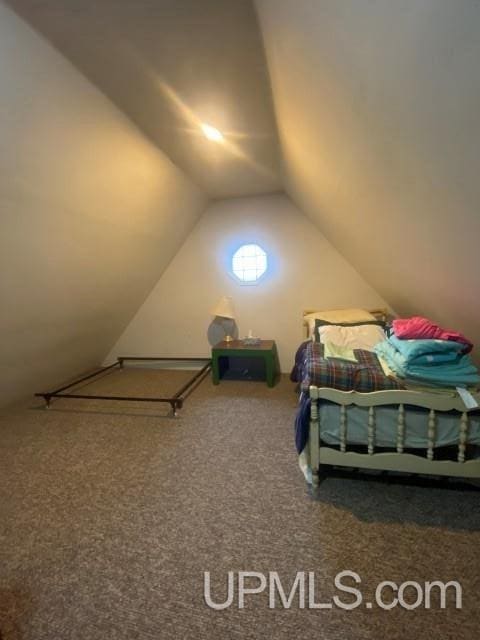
170 65
91 213
378 107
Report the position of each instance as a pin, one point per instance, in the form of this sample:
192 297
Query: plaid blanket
365 375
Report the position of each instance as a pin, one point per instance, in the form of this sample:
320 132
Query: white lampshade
224 308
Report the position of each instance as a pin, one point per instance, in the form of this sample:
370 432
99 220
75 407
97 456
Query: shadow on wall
397 500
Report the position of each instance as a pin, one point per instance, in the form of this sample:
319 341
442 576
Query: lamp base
222 329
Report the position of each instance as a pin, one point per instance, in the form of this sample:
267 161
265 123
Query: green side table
266 350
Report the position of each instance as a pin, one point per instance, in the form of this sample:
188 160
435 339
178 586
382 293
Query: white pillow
364 336
337 316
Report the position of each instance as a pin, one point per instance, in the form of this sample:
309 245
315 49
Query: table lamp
225 313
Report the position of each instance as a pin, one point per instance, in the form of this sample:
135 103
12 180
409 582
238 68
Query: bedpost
371 430
462 437
431 434
400 428
314 438
343 428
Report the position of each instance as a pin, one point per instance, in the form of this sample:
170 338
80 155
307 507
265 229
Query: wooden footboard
394 461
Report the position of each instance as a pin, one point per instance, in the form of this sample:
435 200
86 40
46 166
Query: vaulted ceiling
171 65
376 105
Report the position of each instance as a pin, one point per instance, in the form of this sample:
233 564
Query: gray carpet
111 513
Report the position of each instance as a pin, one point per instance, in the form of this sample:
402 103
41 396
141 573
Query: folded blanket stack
423 352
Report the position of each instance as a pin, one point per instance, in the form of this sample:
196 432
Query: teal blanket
427 351
437 362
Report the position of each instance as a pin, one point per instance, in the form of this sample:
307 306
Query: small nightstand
225 354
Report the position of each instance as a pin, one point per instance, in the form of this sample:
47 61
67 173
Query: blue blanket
437 362
427 351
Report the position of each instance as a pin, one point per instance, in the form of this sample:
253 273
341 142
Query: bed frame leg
175 406
318 477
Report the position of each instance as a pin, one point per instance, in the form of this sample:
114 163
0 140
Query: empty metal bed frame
175 401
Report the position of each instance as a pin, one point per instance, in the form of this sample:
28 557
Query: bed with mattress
354 412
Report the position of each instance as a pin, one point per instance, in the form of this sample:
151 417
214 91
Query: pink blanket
418 328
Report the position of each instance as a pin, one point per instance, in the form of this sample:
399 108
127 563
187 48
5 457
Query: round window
249 263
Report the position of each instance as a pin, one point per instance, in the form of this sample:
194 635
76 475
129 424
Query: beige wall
377 105
90 214
305 271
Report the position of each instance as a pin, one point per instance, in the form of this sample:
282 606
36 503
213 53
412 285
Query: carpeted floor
110 514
